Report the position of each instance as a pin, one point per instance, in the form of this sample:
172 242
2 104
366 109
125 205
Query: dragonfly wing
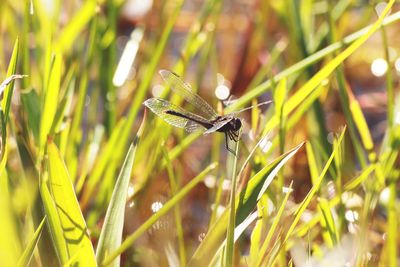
160 107
192 127
218 125
184 90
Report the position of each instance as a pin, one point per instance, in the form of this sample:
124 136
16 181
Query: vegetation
88 178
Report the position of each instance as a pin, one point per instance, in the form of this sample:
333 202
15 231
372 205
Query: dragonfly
206 120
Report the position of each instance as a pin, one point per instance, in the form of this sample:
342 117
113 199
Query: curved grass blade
273 228
76 25
245 204
50 101
330 232
111 233
355 182
298 213
28 252
53 220
71 220
167 206
8 90
238 231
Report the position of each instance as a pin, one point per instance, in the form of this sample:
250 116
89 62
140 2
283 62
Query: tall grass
82 183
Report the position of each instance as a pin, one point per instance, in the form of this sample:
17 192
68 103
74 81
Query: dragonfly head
236 124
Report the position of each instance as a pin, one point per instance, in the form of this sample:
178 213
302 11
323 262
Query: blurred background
231 52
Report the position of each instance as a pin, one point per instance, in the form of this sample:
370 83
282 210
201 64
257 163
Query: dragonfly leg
228 135
232 136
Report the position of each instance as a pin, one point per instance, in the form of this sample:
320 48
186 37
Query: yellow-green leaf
50 101
54 221
8 91
76 25
111 233
28 252
72 222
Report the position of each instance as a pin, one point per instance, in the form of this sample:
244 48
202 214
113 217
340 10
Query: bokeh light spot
156 206
222 92
379 67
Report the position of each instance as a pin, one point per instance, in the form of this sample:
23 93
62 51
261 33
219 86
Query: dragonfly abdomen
203 123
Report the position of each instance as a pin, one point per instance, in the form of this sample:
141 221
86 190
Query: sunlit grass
314 180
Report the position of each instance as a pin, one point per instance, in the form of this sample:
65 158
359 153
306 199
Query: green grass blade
330 233
4 147
389 79
75 26
313 190
246 202
344 95
312 163
274 227
28 252
71 219
4 86
74 133
10 244
111 233
8 91
91 154
392 228
279 100
31 105
168 206
354 183
4 150
53 220
362 127
174 184
65 103
232 165
274 172
50 101
258 230
101 163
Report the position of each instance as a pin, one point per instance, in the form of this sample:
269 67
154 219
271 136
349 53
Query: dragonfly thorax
228 124
236 124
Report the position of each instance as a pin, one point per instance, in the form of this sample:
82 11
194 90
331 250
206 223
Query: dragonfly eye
237 124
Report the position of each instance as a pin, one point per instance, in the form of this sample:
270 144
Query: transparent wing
235 113
218 125
160 107
183 89
192 126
